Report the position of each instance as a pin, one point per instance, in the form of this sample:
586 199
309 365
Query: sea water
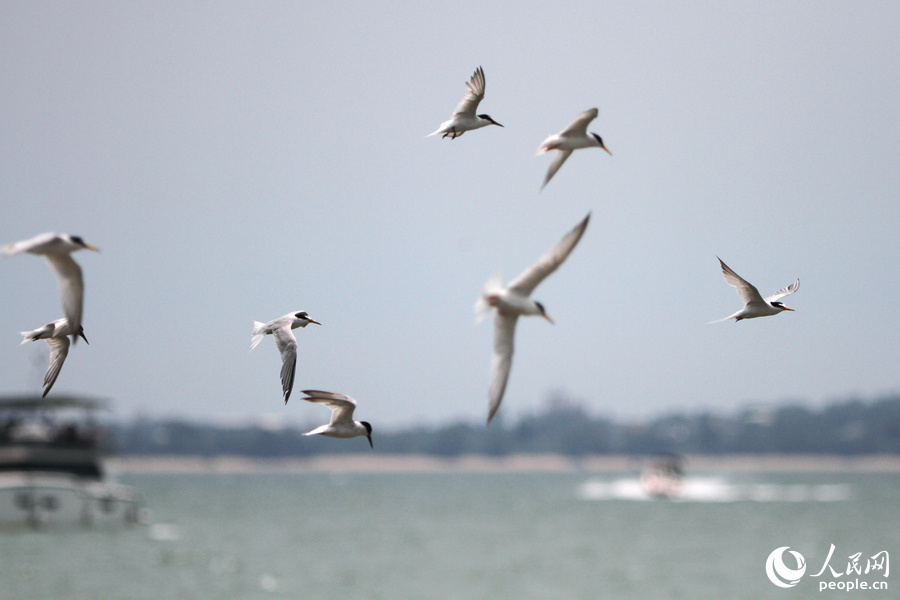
449 536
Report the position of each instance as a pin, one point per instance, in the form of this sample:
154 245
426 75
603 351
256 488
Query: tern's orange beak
546 316
787 308
607 149
90 247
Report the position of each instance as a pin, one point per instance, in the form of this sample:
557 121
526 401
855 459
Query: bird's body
574 137
342 424
464 118
514 301
754 304
57 249
56 334
286 342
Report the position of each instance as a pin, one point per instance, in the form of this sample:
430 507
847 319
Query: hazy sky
237 161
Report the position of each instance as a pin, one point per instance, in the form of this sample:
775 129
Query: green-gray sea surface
462 536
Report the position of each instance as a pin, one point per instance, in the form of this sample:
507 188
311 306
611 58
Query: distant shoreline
517 463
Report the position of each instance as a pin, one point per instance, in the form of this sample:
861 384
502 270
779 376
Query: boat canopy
57 402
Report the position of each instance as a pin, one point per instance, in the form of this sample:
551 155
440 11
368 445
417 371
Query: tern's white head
302 319
81 335
489 120
541 311
368 432
75 242
600 143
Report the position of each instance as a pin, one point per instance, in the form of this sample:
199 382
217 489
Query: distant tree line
564 426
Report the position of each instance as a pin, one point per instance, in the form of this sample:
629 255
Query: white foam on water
164 532
716 489
268 583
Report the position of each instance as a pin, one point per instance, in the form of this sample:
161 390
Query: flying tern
286 342
754 304
342 424
56 334
514 301
56 248
572 138
464 118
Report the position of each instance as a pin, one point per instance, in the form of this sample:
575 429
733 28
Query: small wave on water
716 489
164 532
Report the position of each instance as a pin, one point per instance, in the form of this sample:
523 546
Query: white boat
664 478
51 465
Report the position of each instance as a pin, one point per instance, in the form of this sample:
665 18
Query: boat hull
41 499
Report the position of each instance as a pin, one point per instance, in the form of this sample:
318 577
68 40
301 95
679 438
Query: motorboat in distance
51 464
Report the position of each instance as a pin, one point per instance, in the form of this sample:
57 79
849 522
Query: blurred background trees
563 425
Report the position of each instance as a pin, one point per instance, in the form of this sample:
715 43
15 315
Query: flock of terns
510 302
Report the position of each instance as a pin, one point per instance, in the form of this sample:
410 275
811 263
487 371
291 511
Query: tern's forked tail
721 320
482 308
258 334
494 285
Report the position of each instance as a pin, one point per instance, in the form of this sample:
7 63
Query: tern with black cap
286 342
57 248
573 137
56 335
514 301
464 118
754 304
342 424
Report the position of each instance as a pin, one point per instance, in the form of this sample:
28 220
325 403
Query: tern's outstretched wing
59 349
748 293
287 345
561 157
475 94
30 244
341 406
71 287
501 361
580 124
787 291
532 276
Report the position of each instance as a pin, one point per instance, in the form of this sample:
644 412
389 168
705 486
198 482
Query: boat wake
716 489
